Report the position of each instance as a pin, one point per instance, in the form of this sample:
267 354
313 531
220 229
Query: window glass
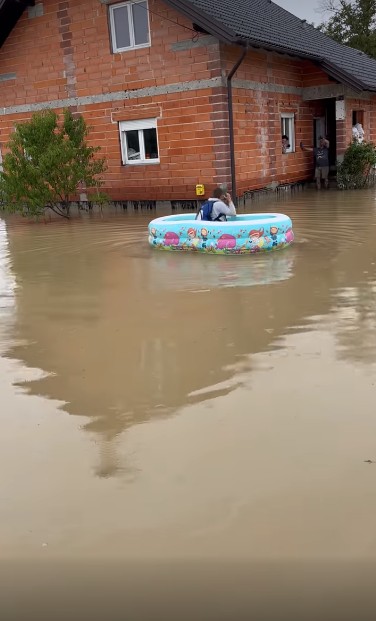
121 23
288 133
133 145
140 23
151 144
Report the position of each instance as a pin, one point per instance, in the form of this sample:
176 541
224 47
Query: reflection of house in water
355 299
7 285
122 350
195 272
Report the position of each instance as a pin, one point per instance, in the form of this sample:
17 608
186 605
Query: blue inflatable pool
243 234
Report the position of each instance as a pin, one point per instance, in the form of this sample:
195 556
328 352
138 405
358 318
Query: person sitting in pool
223 206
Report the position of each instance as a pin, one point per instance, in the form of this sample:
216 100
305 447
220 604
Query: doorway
319 129
325 126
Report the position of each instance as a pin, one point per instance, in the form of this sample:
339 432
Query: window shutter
126 126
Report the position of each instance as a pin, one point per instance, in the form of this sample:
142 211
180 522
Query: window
288 130
139 142
358 126
358 117
129 25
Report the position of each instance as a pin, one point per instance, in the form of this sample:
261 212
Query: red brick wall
186 145
259 158
344 128
67 53
312 75
36 48
372 119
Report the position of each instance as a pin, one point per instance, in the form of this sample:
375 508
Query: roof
10 12
262 23
258 23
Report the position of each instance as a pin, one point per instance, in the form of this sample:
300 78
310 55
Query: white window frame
290 117
132 45
125 126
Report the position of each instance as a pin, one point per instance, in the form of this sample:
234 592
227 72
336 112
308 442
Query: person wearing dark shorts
321 156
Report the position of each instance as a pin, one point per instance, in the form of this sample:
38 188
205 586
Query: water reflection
126 334
197 273
7 287
356 323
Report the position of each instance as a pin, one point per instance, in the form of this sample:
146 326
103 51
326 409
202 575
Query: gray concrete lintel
167 89
329 91
152 91
4 77
266 87
203 41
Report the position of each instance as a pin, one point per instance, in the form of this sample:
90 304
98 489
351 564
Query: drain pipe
231 122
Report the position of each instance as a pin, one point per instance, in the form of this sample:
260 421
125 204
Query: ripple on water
240 416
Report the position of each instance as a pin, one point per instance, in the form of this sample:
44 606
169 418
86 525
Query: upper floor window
129 25
288 132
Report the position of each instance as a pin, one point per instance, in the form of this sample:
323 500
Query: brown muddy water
190 409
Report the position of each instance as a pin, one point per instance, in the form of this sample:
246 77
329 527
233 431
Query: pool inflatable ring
243 234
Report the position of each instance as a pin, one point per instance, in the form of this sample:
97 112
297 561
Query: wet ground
181 407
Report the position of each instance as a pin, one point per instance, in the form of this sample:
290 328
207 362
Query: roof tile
264 23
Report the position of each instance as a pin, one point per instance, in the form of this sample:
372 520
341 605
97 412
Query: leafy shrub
47 163
356 169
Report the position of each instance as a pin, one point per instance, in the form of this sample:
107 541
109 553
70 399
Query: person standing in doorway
321 156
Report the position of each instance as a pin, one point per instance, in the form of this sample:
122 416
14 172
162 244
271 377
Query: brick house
185 92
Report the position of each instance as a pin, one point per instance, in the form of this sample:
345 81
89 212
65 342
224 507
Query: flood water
186 407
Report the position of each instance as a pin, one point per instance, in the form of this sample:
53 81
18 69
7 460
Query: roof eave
343 77
276 48
10 13
218 30
206 22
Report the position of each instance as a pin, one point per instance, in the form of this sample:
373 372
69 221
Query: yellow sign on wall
200 189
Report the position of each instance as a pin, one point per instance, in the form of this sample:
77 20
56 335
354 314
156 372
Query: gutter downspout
231 122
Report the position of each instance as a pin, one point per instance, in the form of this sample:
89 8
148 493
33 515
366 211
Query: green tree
352 23
48 160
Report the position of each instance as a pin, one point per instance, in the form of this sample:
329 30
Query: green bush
47 163
358 163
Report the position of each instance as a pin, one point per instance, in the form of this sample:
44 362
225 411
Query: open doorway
319 129
325 126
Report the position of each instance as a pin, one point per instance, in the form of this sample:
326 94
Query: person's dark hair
218 192
285 137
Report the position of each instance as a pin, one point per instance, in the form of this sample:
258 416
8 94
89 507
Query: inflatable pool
243 234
